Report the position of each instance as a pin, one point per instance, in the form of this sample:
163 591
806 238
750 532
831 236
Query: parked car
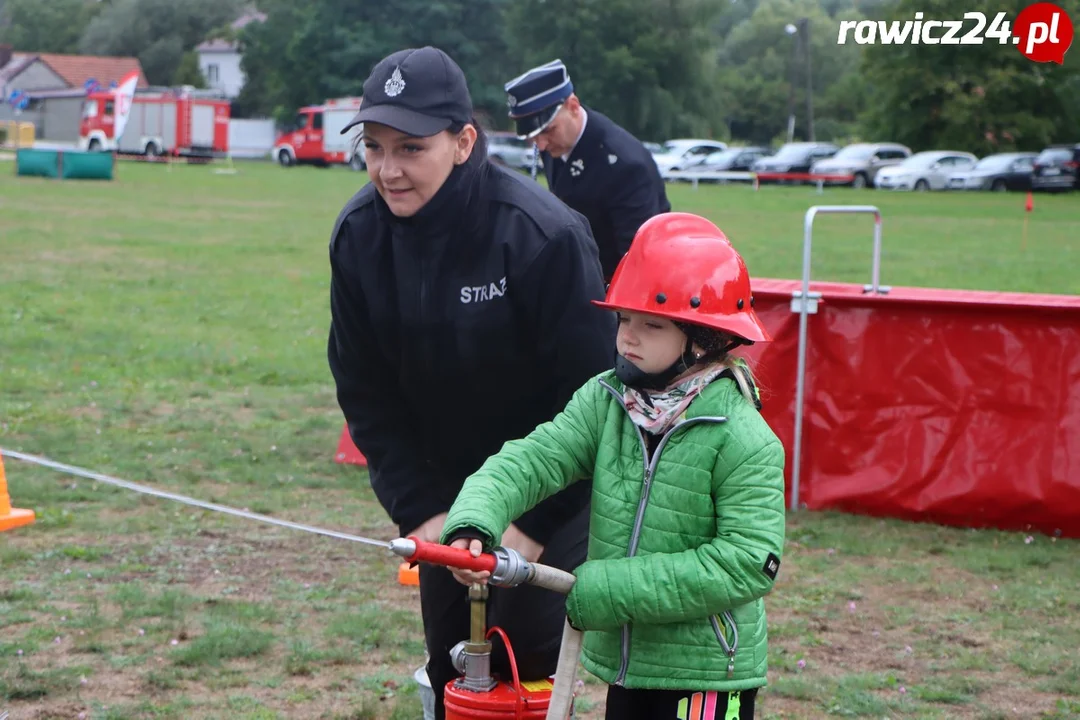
508 149
998 172
1056 168
734 158
685 153
928 170
862 161
653 147
737 159
796 157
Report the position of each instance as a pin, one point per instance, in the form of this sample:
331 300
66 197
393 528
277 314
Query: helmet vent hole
740 304
661 298
695 301
751 301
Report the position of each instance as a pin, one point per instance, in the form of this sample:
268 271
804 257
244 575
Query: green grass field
170 328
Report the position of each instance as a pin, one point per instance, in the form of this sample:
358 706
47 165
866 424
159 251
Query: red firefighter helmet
682 267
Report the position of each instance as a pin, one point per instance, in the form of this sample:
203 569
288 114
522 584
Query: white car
928 170
685 153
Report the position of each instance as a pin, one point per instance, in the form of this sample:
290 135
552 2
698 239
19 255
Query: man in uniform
591 164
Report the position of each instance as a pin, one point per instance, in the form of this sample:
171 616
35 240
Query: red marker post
1043 32
1029 205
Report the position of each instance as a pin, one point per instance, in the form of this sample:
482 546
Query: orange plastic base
407 575
16 518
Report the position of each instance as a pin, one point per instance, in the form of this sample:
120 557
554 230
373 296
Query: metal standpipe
807 304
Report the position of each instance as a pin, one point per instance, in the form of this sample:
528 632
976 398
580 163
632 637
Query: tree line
722 69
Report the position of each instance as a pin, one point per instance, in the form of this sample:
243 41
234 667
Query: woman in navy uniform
591 164
461 318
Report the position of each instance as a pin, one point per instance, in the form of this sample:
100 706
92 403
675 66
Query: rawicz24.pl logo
1043 32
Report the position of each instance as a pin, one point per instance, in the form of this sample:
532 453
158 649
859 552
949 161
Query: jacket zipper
720 635
635 533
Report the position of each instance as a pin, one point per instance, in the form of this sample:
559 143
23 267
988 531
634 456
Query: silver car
508 149
928 170
862 161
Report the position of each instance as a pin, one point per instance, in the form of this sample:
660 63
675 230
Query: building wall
222 71
60 119
36 77
54 119
251 138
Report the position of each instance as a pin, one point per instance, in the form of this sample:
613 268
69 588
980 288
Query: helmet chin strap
633 376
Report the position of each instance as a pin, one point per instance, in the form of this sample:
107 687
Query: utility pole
792 31
804 35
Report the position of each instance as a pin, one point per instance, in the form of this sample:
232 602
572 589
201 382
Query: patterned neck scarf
657 412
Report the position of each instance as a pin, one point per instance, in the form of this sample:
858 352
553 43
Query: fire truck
163 121
314 137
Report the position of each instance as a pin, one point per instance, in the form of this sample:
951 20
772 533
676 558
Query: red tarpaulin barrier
949 406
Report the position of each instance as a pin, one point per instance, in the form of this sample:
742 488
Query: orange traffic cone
11 517
347 452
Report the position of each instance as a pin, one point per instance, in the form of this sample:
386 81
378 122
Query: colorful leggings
623 704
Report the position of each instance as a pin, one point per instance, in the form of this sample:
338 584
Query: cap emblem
395 84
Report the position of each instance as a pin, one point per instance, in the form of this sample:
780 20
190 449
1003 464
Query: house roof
75 70
223 45
17 63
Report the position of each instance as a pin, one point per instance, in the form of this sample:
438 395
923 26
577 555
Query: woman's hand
468 577
529 548
431 530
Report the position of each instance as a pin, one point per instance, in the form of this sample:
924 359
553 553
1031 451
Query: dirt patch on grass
57 711
919 651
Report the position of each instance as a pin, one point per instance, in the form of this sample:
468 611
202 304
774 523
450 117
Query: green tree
52 26
980 98
763 73
188 72
648 64
305 53
158 32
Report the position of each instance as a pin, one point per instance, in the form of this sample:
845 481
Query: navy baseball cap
536 96
417 91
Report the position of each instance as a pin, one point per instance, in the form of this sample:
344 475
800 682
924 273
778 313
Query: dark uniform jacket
611 179
460 328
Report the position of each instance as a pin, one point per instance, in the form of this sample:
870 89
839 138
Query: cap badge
511 101
395 84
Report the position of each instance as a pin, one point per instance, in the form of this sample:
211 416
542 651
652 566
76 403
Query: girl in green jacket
687 518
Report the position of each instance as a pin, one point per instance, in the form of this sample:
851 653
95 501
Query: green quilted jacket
682 549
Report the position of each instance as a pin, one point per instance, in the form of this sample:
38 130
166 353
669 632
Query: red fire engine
163 121
315 138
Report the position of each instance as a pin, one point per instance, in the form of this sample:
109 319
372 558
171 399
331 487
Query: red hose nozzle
415 550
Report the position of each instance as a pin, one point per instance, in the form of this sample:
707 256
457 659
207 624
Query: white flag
125 94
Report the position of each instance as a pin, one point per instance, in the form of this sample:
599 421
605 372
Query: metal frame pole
804 310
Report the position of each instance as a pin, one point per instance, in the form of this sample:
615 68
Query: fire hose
507 567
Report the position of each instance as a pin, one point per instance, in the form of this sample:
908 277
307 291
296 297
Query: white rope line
145 490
